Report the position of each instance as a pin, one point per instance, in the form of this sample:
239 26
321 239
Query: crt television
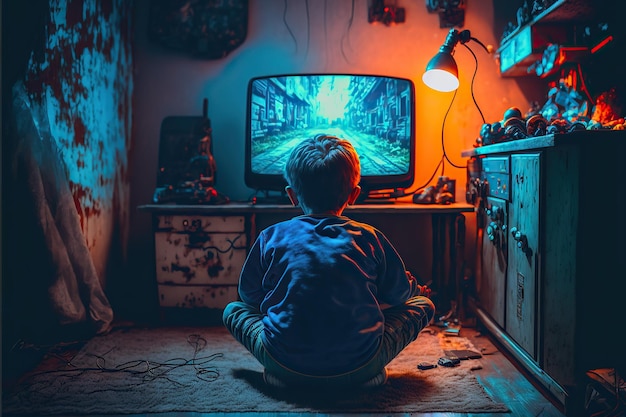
374 112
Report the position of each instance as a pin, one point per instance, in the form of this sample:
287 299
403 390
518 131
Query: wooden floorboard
506 382
499 376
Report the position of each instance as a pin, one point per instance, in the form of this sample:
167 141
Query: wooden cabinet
200 249
565 277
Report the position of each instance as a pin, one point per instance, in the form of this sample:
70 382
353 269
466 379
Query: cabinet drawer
199 258
190 224
196 296
496 172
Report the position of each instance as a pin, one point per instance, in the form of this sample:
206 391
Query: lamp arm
451 40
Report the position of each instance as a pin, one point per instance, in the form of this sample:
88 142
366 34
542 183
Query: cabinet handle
522 241
491 231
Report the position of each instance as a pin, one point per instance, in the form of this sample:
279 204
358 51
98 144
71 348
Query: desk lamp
442 75
442 72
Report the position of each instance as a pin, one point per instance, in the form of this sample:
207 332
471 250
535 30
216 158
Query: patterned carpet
203 369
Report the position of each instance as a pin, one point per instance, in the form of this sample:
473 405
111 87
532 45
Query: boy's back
313 288
323 280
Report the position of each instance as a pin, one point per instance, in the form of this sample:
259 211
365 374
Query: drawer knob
522 241
491 231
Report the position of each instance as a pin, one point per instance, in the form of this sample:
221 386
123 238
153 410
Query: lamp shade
442 73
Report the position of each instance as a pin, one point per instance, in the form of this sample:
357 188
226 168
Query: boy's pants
402 326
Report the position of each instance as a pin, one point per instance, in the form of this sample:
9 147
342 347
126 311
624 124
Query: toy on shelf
566 110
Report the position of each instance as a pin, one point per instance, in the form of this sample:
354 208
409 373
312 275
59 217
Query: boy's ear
354 194
292 196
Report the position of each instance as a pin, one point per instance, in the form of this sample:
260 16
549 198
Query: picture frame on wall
206 29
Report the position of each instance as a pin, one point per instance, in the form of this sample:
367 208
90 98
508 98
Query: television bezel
373 186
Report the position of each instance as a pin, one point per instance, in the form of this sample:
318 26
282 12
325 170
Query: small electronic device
449 361
187 168
463 354
426 365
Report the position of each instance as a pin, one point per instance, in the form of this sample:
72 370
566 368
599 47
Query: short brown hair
323 171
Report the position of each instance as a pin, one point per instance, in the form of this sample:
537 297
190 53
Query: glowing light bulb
440 80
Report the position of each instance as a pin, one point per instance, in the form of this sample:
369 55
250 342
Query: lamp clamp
462 37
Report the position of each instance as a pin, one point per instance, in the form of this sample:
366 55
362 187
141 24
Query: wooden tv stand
200 249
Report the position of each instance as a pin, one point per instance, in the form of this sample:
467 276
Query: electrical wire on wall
326 32
440 164
444 156
443 147
308 26
473 79
345 37
286 23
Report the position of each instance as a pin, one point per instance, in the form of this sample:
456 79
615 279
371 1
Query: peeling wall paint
85 78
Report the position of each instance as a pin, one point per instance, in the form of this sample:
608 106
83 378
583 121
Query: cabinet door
491 285
523 250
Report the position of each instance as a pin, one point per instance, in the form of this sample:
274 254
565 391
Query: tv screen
373 112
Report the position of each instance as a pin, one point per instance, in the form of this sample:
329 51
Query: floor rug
195 369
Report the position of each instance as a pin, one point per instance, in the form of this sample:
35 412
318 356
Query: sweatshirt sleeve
251 279
395 284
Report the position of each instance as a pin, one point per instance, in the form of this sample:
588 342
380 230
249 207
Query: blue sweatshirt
320 282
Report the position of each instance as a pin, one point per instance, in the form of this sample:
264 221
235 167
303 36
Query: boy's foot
377 381
272 380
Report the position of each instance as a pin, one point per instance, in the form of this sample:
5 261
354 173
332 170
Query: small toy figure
607 111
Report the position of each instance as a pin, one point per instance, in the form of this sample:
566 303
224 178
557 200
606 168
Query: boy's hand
424 290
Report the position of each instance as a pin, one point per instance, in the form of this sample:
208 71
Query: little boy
325 300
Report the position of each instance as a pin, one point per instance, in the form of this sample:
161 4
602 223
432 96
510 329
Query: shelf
589 138
560 11
523 47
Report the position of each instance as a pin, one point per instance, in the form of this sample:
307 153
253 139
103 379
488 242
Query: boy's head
323 174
